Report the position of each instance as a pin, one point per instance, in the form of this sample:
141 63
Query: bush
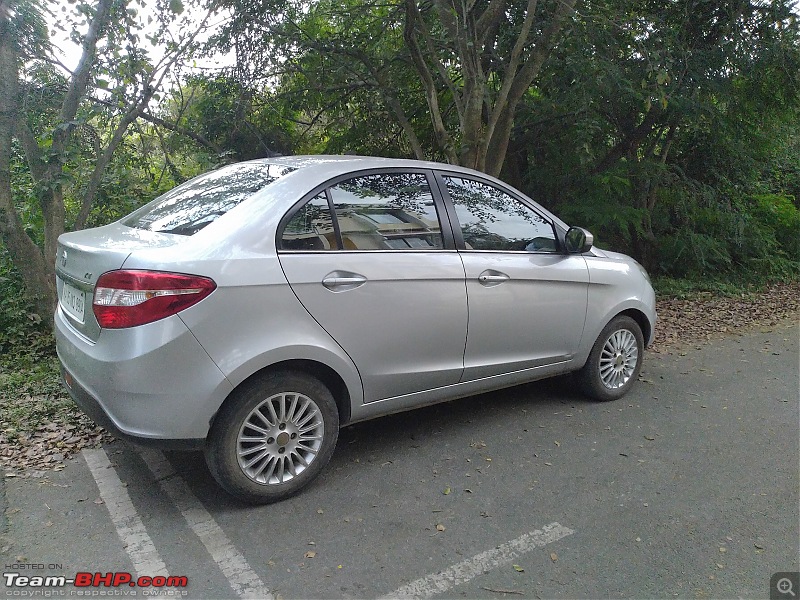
703 233
24 336
779 215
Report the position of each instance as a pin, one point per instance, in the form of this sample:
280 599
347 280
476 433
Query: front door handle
490 278
342 281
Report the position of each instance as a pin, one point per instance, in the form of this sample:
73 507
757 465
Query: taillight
130 298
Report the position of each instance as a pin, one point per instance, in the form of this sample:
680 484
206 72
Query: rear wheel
273 437
615 361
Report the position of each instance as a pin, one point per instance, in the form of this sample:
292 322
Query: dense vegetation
669 129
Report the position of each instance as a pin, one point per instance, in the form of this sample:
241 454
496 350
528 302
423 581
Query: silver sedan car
256 309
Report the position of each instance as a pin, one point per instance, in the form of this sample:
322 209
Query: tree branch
80 78
489 19
442 137
501 102
498 143
105 158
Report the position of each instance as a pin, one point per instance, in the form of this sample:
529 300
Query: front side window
389 211
491 219
202 200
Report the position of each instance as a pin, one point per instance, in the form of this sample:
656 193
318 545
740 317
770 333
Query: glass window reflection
390 211
199 202
491 219
311 227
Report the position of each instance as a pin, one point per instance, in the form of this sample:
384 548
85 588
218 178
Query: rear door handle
340 281
490 278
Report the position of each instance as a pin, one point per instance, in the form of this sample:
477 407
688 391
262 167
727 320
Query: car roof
321 167
347 162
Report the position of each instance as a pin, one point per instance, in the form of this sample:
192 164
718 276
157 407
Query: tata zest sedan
256 309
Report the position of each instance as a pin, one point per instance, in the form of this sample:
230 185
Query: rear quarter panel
253 319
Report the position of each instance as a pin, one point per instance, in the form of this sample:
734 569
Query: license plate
72 301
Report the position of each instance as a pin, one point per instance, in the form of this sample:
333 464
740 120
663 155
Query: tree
113 85
473 61
487 55
651 115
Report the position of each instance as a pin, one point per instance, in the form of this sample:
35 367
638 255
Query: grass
31 393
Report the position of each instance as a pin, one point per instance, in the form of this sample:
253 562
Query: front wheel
615 360
273 437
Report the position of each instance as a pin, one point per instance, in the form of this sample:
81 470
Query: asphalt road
688 487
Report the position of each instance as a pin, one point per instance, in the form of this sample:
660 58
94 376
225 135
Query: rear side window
311 227
386 211
202 200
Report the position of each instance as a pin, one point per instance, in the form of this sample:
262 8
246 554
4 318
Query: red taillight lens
130 298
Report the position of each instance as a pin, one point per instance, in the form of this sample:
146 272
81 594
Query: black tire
290 460
616 375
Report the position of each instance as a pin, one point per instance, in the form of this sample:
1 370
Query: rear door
527 299
370 261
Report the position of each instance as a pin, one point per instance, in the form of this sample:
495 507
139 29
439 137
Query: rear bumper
153 385
95 412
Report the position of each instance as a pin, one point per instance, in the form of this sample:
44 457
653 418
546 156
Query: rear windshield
202 200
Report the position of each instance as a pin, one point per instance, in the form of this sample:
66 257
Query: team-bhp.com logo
94 580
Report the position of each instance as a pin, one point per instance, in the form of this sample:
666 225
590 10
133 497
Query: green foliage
25 337
779 216
241 122
32 396
602 207
31 393
729 238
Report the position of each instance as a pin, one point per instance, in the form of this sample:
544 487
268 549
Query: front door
527 300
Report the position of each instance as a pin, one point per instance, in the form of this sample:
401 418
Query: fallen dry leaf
553 556
706 317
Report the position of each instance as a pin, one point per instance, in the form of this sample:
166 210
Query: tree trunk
485 117
28 259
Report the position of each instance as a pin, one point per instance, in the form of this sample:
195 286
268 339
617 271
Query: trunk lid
85 255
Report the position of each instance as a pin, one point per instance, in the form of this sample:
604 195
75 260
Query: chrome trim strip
74 281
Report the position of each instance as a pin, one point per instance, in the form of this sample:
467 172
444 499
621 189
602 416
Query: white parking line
242 579
480 563
130 529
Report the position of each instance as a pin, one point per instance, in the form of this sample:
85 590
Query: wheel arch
324 373
634 310
641 320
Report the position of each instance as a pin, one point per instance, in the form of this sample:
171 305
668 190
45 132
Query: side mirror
578 240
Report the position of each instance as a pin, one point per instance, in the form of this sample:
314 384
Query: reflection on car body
255 310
